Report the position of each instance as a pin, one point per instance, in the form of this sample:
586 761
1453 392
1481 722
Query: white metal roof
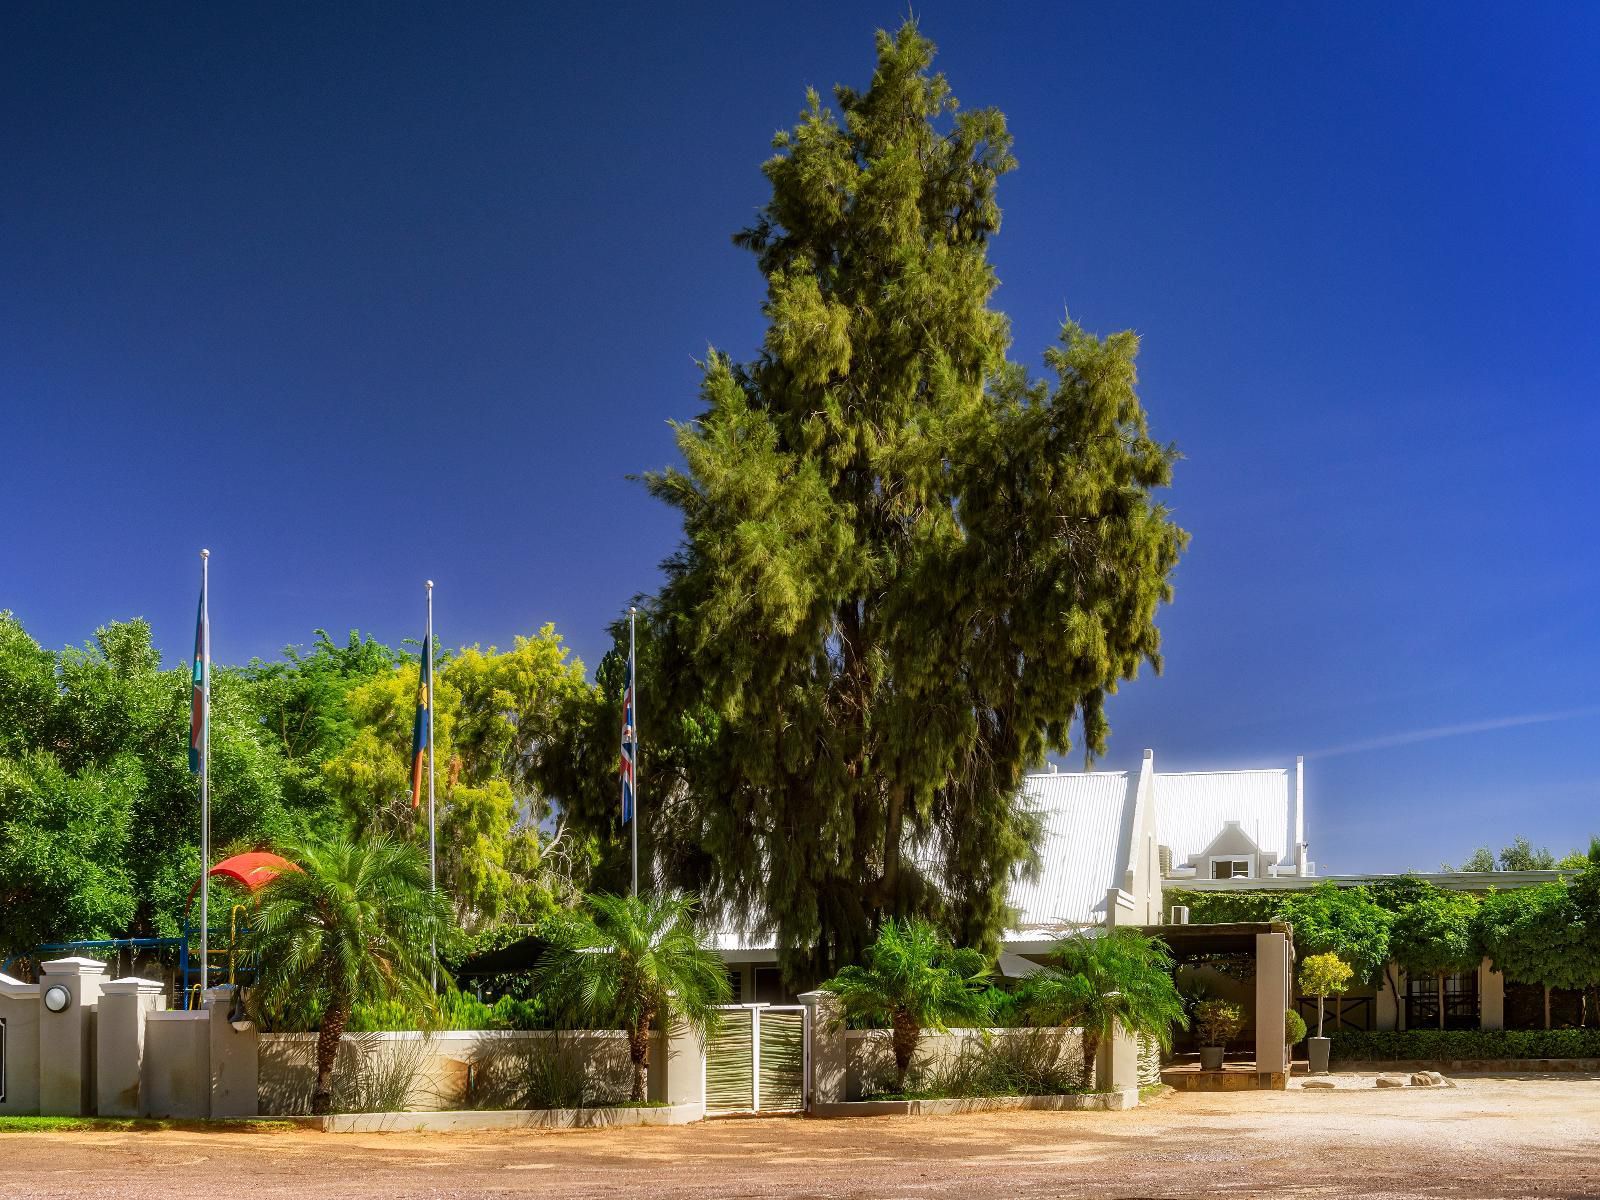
1193 806
1087 822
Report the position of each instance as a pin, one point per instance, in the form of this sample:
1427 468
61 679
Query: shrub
1440 1044
1294 1028
1217 1022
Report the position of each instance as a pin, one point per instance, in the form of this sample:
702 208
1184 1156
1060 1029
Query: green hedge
1441 1044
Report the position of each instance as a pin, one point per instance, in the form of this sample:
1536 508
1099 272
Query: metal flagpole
433 863
633 690
205 771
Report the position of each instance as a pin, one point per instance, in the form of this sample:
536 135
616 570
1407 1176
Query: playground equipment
228 963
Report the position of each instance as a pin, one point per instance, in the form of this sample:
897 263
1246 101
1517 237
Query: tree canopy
908 567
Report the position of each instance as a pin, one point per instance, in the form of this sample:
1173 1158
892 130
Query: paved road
1487 1138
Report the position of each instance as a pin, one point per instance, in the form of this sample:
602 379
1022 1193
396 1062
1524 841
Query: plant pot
1317 1051
1211 1058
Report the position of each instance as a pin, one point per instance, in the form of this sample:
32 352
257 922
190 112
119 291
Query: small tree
352 926
1217 1022
914 980
1434 934
1324 975
638 961
1119 978
1294 1027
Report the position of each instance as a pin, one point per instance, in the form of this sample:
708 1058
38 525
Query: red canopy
250 871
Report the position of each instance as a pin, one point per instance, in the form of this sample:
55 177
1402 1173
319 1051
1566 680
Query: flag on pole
200 695
629 748
419 727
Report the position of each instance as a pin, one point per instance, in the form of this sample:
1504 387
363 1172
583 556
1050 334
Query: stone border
1117 1101
470 1120
1458 1066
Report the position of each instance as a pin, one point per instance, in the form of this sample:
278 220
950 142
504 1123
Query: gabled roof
1192 808
1087 826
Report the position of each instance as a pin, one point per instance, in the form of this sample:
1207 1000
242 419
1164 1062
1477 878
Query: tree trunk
907 1033
1547 1006
328 1035
639 1053
1319 1016
1441 999
1091 1051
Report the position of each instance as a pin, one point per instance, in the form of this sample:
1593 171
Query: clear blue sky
361 294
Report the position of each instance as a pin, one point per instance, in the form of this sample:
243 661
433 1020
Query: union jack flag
630 748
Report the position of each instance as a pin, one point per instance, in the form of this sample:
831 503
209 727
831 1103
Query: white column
66 1038
1273 995
827 1049
119 1042
234 1059
19 1058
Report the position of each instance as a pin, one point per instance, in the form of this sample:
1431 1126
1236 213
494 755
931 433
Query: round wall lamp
57 998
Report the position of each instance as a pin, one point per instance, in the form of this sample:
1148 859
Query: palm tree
352 925
638 961
1118 978
915 980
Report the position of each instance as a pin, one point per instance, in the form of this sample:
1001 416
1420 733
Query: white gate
757 1059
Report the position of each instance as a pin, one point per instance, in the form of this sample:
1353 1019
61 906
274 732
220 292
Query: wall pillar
1116 1064
684 1059
119 1042
66 1038
235 1059
1274 993
1491 997
827 1049
19 1056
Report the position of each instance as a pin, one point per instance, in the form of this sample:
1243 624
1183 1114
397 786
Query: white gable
1087 823
1193 808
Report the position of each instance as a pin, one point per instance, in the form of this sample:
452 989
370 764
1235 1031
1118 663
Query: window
736 985
1230 868
1460 1001
767 984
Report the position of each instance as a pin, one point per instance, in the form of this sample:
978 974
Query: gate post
66 1036
684 1060
19 1047
827 1054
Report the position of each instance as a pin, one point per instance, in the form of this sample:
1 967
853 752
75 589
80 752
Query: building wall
869 1064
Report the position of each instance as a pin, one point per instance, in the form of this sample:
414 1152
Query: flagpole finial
205 554
632 610
430 585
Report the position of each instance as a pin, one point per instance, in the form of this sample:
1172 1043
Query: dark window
1237 868
1460 1001
735 985
768 987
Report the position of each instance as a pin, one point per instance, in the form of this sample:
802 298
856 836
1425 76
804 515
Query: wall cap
73 966
132 985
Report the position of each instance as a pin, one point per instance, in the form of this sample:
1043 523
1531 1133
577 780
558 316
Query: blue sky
361 294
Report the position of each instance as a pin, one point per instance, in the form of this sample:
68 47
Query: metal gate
756 1061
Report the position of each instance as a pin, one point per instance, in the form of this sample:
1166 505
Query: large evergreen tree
907 567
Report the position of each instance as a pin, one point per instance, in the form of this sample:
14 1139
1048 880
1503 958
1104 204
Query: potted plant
1294 1029
1322 975
1216 1023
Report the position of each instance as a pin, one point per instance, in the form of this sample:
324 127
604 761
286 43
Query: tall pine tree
907 567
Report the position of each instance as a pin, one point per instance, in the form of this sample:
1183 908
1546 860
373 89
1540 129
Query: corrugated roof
1192 808
1083 847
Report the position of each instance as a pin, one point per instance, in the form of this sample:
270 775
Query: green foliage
1323 975
913 980
637 960
455 1010
63 850
876 623
1026 1062
1217 1022
1348 922
1520 855
1119 978
1442 1045
353 925
1435 933
1294 1027
1539 935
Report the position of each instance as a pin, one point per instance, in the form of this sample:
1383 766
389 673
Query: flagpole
205 774
433 863
633 690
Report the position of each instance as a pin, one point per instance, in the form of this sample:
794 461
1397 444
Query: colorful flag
629 748
200 697
419 727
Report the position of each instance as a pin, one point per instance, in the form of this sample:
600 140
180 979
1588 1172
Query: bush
1216 1022
1442 1044
1294 1028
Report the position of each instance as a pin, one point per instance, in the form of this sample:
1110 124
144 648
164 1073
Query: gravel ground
1501 1136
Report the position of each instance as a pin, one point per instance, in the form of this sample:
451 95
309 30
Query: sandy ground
1502 1136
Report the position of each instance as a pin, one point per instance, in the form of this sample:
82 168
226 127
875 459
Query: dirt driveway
1520 1136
